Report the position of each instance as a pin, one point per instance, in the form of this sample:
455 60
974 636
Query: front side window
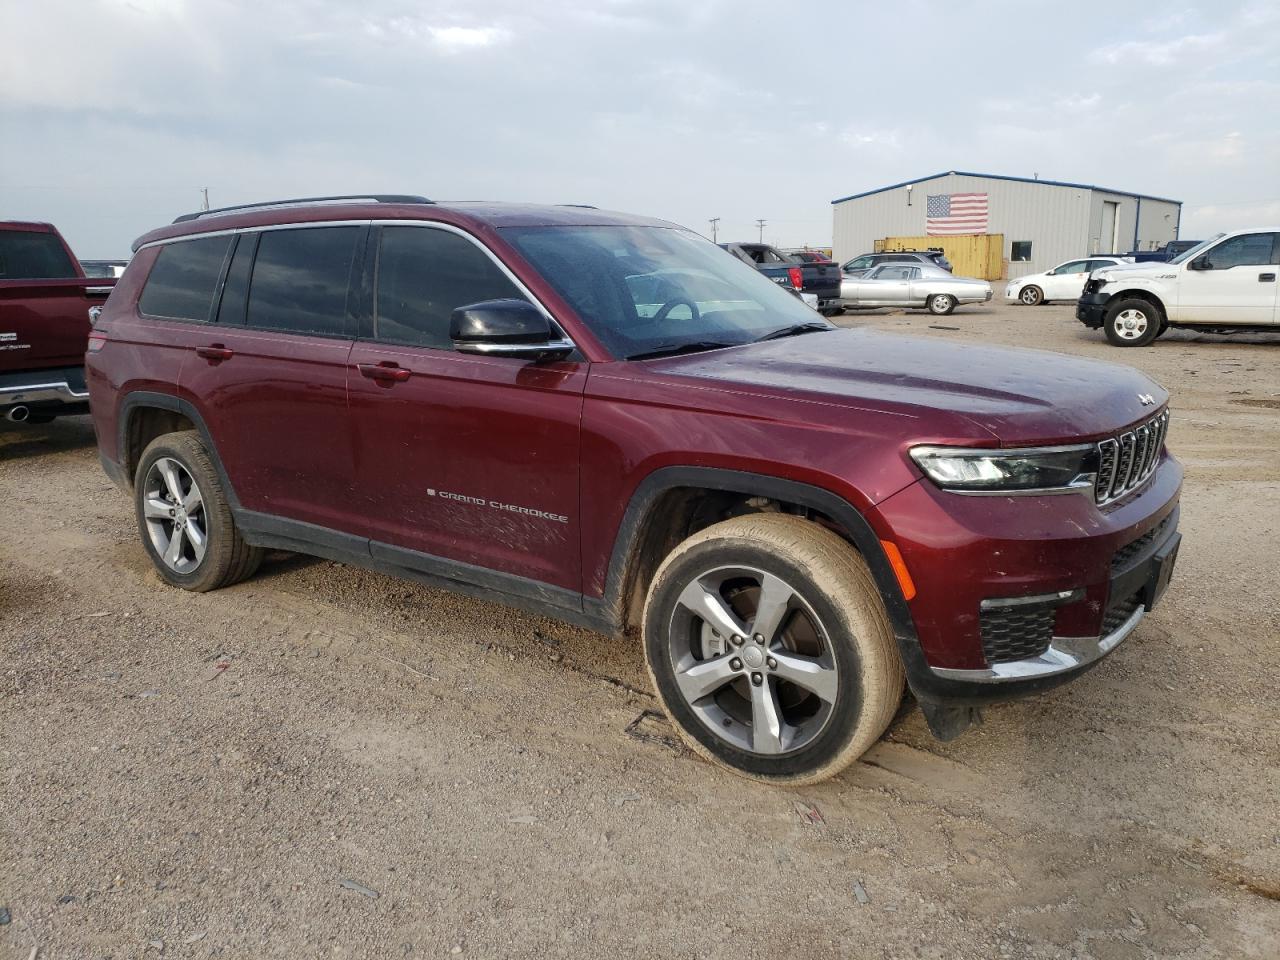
861 263
647 289
1250 249
1020 251
33 255
893 273
1075 266
182 281
423 275
300 280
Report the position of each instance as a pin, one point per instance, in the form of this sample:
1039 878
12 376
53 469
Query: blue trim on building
998 176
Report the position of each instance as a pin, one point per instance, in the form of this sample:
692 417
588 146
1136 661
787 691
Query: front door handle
215 353
387 372
1266 278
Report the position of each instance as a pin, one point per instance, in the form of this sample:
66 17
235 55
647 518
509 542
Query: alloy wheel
752 660
1030 296
173 508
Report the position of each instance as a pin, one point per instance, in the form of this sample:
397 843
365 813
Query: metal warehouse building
994 226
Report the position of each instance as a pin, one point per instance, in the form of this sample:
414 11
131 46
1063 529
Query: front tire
941 304
184 518
770 649
1133 323
1031 295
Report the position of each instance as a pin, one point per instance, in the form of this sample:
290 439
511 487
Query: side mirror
1200 263
506 328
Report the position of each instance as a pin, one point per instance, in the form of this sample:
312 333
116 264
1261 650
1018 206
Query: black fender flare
153 400
849 518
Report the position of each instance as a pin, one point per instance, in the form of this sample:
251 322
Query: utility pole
713 222
205 191
761 224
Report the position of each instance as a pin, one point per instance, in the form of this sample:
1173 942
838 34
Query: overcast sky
114 113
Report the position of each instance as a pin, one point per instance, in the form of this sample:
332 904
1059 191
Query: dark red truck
45 299
603 418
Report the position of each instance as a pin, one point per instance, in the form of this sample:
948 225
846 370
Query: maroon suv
608 419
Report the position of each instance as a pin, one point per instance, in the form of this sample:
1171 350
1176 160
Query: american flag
952 213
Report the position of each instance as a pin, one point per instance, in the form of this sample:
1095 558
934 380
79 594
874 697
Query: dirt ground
325 762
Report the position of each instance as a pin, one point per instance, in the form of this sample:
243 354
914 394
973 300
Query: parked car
858 266
912 285
603 418
1165 253
45 300
1063 282
1227 284
103 268
822 280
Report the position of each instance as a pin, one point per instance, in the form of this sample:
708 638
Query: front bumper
1083 572
1091 309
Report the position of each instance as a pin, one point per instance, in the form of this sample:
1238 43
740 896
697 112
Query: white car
1064 282
912 285
1224 285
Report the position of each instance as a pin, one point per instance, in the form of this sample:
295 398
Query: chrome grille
1125 462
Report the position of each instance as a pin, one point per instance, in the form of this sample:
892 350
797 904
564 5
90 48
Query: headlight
1054 469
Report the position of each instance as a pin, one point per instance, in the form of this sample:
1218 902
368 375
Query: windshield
1194 251
654 289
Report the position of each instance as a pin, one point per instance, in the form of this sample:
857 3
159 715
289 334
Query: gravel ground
325 762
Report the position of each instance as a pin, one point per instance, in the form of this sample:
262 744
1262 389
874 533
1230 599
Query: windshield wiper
688 346
812 326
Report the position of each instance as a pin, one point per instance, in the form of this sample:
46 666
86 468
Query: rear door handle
1266 278
215 352
385 372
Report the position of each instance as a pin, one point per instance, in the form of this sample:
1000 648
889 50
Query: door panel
474 459
1069 284
1234 290
276 408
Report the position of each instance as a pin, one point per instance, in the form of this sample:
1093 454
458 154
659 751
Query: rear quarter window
182 281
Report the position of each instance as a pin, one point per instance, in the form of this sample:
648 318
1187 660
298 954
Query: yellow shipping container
979 255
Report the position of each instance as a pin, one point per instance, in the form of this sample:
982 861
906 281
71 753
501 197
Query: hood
1125 270
1018 396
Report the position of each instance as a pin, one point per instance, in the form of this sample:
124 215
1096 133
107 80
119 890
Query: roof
999 176
28 226
476 215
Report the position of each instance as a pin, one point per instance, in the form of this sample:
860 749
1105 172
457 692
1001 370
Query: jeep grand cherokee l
603 418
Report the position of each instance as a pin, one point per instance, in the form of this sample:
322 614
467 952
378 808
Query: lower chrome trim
40 392
1064 655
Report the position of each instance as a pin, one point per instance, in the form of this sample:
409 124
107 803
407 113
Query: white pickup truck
1226 284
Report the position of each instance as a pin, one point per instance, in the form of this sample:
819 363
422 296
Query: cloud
1159 53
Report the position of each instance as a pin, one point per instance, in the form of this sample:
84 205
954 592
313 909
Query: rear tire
1133 323
1031 295
178 496
941 304
730 694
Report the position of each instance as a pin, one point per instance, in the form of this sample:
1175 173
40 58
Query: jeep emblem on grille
1146 399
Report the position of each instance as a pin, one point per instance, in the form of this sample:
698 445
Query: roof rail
303 201
580 206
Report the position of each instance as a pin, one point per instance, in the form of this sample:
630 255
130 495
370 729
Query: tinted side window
183 278
1247 250
424 274
300 280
